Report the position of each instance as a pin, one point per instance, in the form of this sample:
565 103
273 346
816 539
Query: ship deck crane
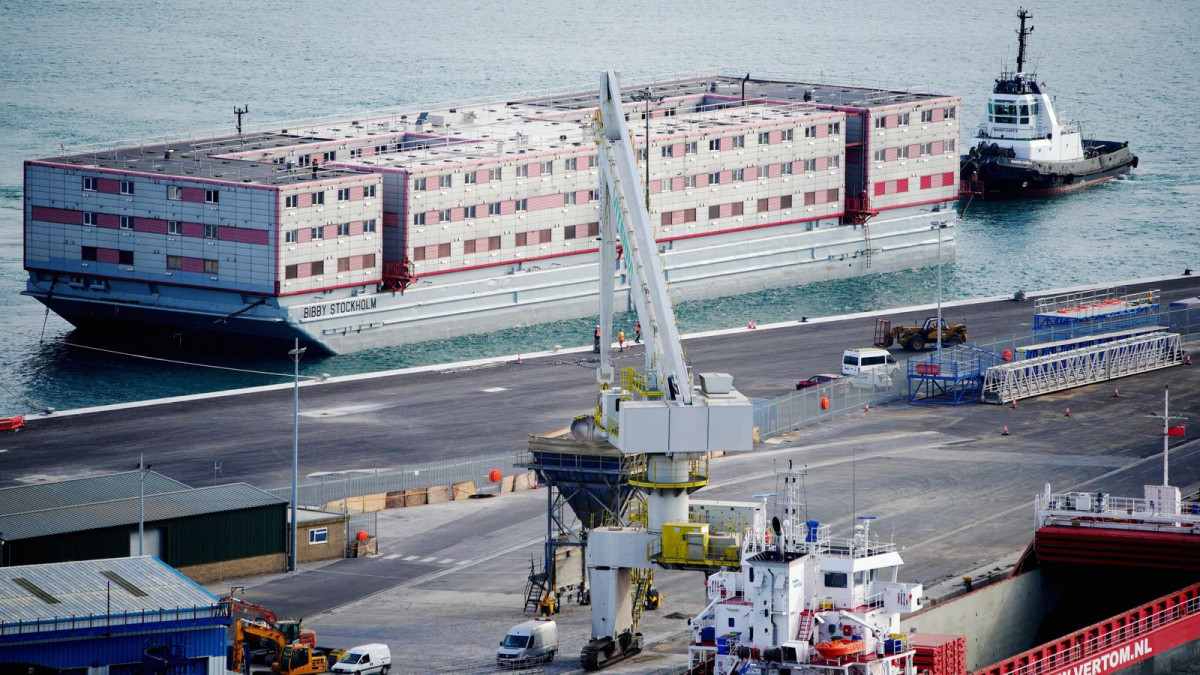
660 415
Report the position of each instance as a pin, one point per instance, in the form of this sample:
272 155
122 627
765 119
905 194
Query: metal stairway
1008 382
535 587
806 627
867 238
642 580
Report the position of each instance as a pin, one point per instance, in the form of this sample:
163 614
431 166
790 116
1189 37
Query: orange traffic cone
519 359
1116 392
1014 404
1005 432
1068 412
868 407
752 325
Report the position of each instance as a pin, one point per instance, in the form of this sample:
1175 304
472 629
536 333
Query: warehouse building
206 533
109 617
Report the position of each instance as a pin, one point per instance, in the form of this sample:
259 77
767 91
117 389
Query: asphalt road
428 416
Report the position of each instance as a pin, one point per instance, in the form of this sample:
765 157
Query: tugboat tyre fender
1135 161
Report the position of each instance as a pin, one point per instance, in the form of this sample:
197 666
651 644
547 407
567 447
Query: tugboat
1022 149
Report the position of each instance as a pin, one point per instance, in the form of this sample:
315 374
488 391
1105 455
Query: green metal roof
116 512
82 491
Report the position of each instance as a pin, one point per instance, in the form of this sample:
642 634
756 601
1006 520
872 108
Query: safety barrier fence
83 621
806 407
1112 641
335 488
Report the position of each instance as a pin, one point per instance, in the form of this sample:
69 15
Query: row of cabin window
569 198
785 169
492 243
318 233
902 119
317 267
318 197
764 138
738 208
175 193
173 226
497 173
174 262
948 147
471 212
90 184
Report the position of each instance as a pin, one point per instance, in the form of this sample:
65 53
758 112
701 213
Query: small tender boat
838 648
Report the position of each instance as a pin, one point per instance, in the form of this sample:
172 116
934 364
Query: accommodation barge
407 226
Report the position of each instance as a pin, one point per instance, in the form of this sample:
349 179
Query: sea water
73 73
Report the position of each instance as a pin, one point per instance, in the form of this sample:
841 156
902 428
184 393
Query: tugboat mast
1022 34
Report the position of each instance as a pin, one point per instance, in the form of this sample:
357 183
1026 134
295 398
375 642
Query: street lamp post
295 353
645 95
941 225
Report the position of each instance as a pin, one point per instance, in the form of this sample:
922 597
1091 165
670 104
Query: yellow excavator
290 650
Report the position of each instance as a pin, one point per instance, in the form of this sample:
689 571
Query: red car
817 380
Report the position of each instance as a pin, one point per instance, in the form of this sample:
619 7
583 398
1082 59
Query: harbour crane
669 423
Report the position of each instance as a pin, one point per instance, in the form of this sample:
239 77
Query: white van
372 659
879 362
534 641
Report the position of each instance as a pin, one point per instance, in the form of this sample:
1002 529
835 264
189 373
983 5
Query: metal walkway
954 380
1071 315
1054 372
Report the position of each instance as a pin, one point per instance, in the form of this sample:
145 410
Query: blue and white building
110 617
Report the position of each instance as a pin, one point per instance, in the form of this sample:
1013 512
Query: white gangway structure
1008 382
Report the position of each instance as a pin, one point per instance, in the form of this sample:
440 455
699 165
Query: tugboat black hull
989 173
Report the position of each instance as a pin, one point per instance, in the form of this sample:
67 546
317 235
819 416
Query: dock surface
442 414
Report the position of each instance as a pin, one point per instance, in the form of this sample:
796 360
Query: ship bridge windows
836 580
1010 112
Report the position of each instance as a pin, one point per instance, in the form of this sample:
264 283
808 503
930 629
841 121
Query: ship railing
1072 505
1088 298
349 118
362 119
1115 639
873 601
859 549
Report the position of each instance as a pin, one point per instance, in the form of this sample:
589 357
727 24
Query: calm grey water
79 72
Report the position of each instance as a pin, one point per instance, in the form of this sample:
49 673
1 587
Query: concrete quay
434 413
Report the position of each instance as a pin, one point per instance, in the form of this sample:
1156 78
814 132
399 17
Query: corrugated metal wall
226 536
60 652
197 540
